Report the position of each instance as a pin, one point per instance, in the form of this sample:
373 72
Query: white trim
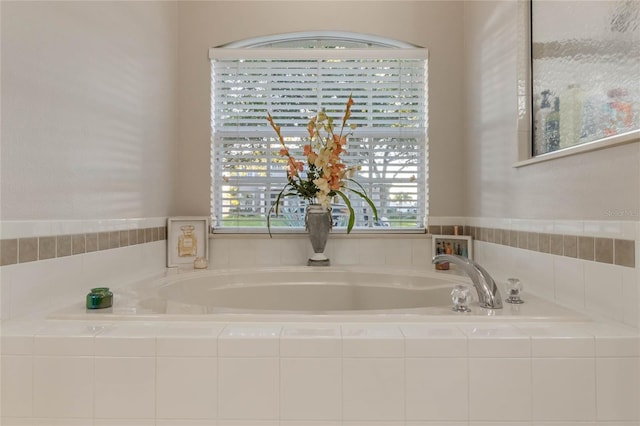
625 138
357 233
524 140
319 35
229 53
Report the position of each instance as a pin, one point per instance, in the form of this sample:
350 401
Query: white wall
436 25
590 186
89 128
594 194
88 103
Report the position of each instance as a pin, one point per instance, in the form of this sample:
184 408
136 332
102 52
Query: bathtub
302 346
307 294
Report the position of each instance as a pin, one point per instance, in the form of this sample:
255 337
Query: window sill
625 138
260 233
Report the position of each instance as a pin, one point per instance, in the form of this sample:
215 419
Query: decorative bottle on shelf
571 105
552 127
443 266
540 124
187 242
618 112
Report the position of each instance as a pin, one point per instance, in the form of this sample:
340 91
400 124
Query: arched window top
321 40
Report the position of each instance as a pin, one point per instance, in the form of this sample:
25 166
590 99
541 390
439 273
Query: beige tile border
32 249
594 249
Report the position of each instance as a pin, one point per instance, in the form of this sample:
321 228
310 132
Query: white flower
324 199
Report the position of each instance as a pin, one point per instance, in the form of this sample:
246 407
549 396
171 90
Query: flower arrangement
323 175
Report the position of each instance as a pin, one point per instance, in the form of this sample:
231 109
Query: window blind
389 143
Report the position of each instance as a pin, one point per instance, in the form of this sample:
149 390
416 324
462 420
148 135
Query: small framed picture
187 239
461 245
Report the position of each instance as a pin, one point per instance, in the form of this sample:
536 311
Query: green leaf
352 215
368 200
275 206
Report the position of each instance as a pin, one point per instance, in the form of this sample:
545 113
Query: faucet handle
461 296
514 288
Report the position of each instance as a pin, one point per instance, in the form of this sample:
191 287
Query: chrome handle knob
514 288
461 296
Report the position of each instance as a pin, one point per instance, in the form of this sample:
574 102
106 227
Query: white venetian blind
389 87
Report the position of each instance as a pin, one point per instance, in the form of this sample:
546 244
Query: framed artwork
187 239
461 245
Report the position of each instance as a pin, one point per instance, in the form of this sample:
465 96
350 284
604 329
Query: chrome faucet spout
488 293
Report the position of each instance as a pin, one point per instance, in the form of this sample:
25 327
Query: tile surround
616 251
288 384
31 249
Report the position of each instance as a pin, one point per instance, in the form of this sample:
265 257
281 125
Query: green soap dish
99 298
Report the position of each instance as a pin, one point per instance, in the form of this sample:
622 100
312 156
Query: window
292 79
585 73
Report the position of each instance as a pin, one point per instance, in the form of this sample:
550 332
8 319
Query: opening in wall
578 82
292 77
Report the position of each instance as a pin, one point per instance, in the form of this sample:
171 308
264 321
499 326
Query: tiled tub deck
134 373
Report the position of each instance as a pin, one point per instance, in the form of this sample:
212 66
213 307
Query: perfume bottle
187 242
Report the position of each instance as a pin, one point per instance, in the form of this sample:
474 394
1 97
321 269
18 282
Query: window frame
395 50
524 102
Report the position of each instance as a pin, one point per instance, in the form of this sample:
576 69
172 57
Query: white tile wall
601 289
336 374
321 374
310 389
574 389
186 388
17 386
248 388
568 282
434 341
63 387
510 382
249 341
311 340
125 388
434 389
618 389
373 389
363 341
227 251
22 285
188 340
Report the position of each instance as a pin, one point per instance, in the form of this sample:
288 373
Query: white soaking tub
307 294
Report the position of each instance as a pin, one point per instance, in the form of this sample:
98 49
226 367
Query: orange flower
294 167
334 182
347 113
326 174
307 150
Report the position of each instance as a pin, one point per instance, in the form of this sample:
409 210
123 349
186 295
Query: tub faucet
488 293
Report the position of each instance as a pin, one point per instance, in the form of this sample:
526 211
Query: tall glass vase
318 222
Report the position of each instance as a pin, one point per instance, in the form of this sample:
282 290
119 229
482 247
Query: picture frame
464 242
187 239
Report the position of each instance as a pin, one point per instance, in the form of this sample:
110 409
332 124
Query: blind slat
389 144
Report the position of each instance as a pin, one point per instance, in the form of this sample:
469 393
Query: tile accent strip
31 249
595 249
